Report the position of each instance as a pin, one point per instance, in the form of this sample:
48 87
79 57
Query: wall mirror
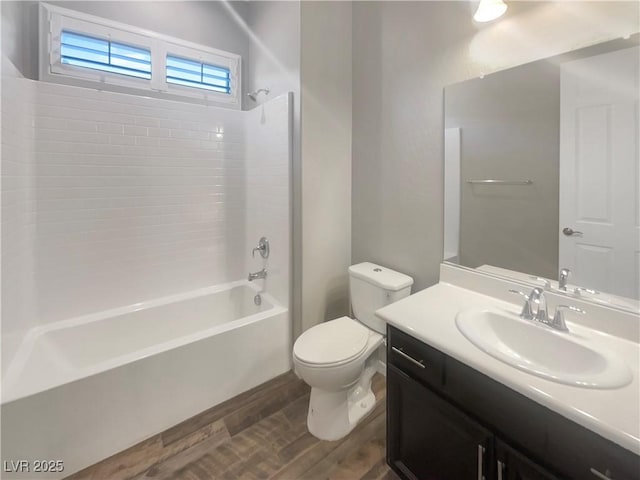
542 172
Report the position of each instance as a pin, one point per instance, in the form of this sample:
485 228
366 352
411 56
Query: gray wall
406 53
274 49
20 36
274 63
510 130
325 181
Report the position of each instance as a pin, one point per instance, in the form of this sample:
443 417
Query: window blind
191 73
91 52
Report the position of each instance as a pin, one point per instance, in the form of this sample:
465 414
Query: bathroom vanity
455 411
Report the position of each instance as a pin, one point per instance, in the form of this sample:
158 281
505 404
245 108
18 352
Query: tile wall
268 192
112 199
17 255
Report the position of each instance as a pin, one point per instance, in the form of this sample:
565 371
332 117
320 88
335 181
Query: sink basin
537 349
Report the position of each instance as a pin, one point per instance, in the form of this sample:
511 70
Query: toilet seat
332 343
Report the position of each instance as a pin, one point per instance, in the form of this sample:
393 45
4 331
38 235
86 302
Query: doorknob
569 232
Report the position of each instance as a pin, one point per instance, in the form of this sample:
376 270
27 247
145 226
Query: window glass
90 52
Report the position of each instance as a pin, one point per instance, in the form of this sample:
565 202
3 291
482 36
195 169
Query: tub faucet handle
263 248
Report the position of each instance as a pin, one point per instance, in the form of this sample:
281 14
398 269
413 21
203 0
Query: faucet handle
579 290
526 309
263 248
558 318
546 284
518 292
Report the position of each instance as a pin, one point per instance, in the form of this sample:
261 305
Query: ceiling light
489 10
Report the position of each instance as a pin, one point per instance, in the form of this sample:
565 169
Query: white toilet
338 358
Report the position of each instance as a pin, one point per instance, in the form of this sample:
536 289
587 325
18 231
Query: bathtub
80 390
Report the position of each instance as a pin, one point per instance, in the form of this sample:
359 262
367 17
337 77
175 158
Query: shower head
254 95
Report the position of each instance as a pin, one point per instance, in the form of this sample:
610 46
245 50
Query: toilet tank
372 287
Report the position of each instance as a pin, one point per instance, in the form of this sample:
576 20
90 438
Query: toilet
338 358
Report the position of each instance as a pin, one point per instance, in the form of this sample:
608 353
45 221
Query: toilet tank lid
380 276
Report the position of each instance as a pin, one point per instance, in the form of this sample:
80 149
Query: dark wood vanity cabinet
434 439
447 421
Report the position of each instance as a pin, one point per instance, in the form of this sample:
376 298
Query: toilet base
332 415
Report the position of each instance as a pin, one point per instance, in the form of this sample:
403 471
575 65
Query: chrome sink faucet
535 309
256 275
538 300
535 306
563 279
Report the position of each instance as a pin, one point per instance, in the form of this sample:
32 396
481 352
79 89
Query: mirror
542 172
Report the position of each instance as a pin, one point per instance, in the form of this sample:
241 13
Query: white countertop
429 316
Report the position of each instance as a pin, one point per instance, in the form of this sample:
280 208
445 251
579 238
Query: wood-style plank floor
260 434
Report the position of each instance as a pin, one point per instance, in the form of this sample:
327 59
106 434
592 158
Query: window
183 71
81 49
90 52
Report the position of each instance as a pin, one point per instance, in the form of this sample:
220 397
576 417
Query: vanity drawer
415 358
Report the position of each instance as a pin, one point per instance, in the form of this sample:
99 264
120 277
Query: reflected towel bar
500 182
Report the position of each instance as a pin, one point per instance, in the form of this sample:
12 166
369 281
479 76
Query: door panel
593 164
512 465
428 438
599 169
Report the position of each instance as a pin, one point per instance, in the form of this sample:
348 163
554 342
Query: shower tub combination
80 390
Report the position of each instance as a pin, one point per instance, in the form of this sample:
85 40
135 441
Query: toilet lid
331 342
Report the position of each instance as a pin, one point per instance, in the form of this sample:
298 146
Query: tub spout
261 274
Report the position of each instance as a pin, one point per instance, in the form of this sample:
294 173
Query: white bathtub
83 389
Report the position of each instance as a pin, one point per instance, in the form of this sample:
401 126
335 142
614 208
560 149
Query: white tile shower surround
17 237
268 193
111 199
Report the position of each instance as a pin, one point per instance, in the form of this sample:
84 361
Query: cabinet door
428 439
581 453
512 465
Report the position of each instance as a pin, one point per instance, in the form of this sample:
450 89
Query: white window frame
54 19
203 57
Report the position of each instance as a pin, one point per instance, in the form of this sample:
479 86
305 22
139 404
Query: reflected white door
452 194
599 172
